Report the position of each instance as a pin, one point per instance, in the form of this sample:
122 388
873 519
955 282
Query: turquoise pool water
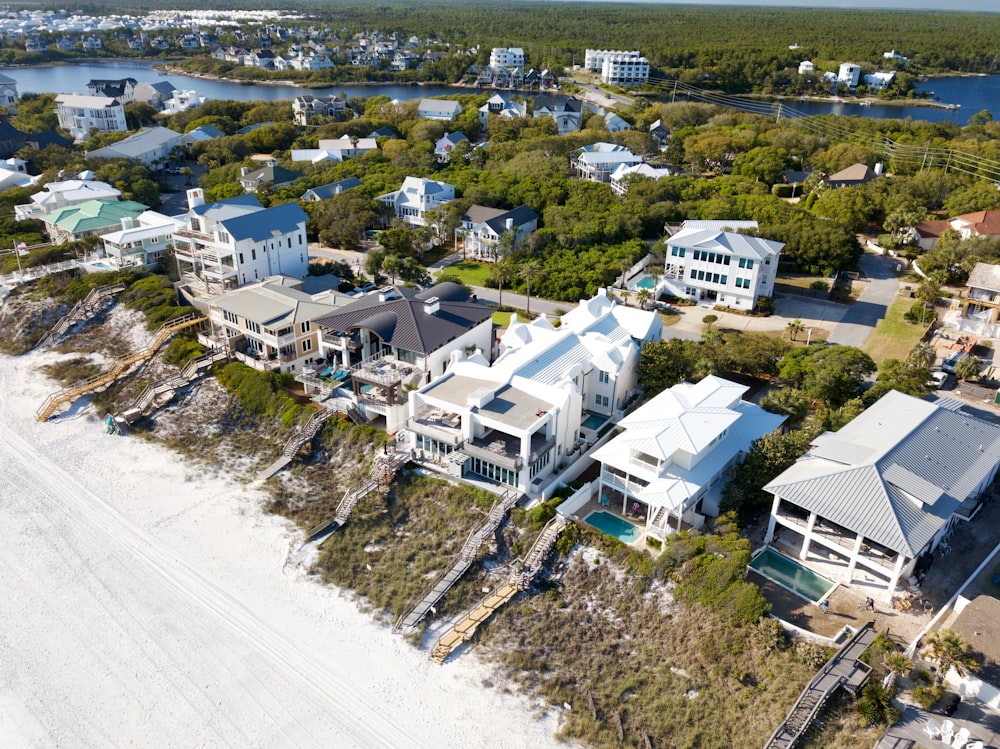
790 574
593 421
646 283
611 525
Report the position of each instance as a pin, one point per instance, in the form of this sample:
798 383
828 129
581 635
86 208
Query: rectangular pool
646 283
791 575
593 421
612 525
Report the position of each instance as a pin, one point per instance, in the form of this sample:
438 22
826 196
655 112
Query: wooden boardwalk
119 369
845 669
524 572
82 310
160 392
436 590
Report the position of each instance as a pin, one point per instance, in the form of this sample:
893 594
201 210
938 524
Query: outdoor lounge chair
932 729
961 738
947 731
604 500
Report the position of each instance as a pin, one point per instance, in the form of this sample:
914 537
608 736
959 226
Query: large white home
268 324
720 267
415 197
306 108
396 339
141 241
151 147
237 241
677 452
849 74
79 114
335 149
507 57
866 502
9 96
68 192
624 174
520 420
617 67
439 109
482 228
597 161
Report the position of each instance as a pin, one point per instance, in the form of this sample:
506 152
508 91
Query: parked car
174 169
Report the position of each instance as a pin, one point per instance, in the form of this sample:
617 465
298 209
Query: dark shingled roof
402 322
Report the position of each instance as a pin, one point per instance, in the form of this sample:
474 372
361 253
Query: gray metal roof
325 192
402 321
725 242
896 473
984 276
262 224
139 144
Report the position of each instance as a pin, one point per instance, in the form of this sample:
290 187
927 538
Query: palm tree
968 368
503 272
794 328
947 648
644 295
529 269
922 355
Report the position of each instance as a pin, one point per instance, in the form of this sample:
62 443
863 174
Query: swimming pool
646 283
593 421
791 575
611 525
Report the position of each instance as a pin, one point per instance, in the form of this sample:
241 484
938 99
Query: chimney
432 305
127 222
244 171
196 197
878 169
509 224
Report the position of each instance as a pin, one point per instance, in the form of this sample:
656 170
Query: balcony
436 428
340 342
198 235
539 446
385 371
497 448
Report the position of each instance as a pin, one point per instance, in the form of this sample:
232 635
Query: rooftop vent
432 305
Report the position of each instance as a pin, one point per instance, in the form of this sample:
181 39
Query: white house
507 57
306 108
335 149
849 74
438 109
8 93
79 114
866 502
879 80
141 241
720 267
482 228
61 194
501 107
518 421
616 66
677 451
806 66
446 144
415 197
597 161
614 123
150 146
397 339
237 241
624 174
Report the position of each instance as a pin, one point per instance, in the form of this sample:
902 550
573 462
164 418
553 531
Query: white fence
578 499
31 274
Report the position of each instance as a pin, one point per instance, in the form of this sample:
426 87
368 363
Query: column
772 520
894 578
854 556
807 536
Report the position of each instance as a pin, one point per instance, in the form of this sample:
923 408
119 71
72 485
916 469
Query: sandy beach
146 602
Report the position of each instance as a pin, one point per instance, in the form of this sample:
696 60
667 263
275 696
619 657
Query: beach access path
145 602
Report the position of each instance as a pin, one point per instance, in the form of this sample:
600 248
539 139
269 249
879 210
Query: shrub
918 314
654 543
820 285
260 393
926 695
182 349
782 191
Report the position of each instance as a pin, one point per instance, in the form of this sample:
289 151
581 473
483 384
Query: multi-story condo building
79 114
507 57
617 67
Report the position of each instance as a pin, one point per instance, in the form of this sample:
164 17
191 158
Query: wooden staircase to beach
524 572
436 590
160 392
845 669
82 310
120 368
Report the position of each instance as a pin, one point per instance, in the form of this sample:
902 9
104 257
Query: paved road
861 317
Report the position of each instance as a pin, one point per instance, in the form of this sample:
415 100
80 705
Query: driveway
861 317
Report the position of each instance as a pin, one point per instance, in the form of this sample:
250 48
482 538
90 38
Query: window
304 327
725 260
749 264
253 327
696 254
253 253
602 400
603 377
307 345
289 243
743 262
767 261
692 273
241 258
715 278
724 280
230 317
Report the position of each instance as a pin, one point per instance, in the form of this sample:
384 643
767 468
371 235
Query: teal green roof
95 214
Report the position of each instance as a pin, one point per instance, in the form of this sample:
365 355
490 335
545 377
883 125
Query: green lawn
474 274
502 319
894 336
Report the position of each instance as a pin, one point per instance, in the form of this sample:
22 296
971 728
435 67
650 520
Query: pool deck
640 523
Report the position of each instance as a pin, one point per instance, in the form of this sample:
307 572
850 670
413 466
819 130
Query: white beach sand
145 602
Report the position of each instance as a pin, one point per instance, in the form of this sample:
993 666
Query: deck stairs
382 473
524 572
309 430
845 669
436 590
82 310
157 393
119 369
